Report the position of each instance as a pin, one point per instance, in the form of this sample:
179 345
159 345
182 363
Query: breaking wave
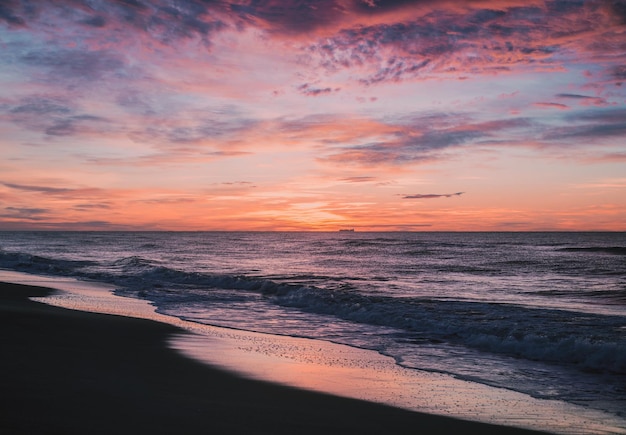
536 334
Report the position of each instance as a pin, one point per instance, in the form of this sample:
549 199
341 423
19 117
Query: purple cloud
52 116
435 38
160 19
591 124
424 138
311 91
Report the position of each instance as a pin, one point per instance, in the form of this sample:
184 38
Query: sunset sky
313 115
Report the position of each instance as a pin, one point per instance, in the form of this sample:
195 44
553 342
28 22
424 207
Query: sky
397 115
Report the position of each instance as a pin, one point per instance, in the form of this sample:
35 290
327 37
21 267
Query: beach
67 371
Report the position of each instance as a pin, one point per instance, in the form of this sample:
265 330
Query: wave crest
521 332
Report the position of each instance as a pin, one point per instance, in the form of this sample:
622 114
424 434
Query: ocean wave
377 242
38 264
598 344
534 334
607 297
133 261
615 250
584 352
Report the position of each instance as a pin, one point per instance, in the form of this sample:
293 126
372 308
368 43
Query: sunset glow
313 115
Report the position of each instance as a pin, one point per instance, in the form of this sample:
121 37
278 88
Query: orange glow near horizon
378 116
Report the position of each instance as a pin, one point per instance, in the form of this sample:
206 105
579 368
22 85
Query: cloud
162 199
616 157
359 179
291 16
47 224
53 116
182 88
591 124
31 214
204 132
467 36
552 105
136 102
394 70
432 195
68 65
585 99
161 20
41 105
194 126
237 183
603 116
39 189
94 21
171 156
378 41
619 72
8 15
423 138
91 206
408 148
574 96
311 91
83 193
72 125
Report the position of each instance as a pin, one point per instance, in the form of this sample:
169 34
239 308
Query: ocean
541 314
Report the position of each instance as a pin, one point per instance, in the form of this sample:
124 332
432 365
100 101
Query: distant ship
347 230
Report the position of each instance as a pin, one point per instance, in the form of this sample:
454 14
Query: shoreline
72 371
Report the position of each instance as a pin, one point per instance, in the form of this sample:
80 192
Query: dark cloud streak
85 194
39 189
575 96
432 195
360 179
312 91
25 213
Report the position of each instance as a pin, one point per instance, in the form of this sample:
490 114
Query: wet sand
71 372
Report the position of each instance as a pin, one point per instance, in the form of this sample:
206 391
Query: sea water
542 314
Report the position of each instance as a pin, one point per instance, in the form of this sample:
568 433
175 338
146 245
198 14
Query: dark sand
72 372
